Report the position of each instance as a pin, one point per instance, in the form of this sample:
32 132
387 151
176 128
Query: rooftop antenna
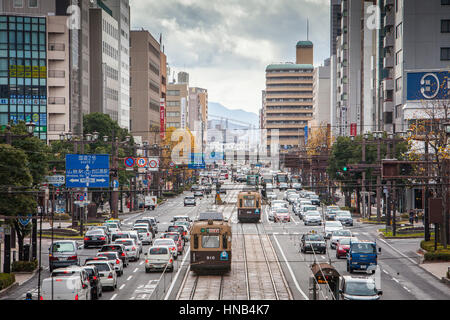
307 29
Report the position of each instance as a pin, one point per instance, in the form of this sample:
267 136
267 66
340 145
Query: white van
158 258
68 284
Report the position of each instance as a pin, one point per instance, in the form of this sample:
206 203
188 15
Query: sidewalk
437 269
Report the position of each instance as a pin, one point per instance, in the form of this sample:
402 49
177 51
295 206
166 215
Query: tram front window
249 203
210 241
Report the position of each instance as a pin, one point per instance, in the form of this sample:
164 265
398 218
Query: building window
398 57
445 26
445 2
32 3
445 54
399 30
398 84
18 4
173 92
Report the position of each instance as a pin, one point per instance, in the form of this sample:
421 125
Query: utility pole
364 176
378 137
426 218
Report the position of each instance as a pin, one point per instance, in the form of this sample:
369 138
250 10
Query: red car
342 247
177 238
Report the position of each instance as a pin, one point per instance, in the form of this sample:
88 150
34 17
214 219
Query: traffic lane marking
113 297
129 278
122 286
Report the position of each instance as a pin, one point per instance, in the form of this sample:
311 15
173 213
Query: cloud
225 45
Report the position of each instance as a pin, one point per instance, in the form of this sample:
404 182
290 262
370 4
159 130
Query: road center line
176 276
129 278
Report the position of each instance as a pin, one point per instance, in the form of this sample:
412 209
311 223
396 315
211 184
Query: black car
313 242
315 202
95 238
94 280
120 249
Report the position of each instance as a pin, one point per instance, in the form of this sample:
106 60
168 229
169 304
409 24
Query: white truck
150 202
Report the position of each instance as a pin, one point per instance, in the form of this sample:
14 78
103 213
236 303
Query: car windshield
311 214
110 256
175 228
344 241
210 241
314 237
127 242
89 271
111 248
282 210
342 233
189 198
360 288
343 214
141 221
157 251
333 224
113 225
119 236
64 273
94 232
140 230
368 248
101 266
63 247
161 242
174 237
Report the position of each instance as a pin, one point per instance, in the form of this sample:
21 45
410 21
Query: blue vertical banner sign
87 171
306 134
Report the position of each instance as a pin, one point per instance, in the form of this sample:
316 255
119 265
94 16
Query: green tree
16 197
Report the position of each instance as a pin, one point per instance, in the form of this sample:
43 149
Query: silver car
312 218
359 288
131 248
64 253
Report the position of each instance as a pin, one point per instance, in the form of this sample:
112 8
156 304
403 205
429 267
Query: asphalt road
398 274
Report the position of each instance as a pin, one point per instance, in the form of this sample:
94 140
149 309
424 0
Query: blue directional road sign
197 161
115 183
87 171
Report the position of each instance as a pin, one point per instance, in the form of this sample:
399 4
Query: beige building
145 81
58 60
289 97
177 105
321 96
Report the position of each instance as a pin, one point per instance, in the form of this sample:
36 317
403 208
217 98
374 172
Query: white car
131 248
167 243
337 235
115 260
271 196
71 283
159 258
331 226
283 203
305 208
113 226
144 234
292 198
108 276
312 218
134 235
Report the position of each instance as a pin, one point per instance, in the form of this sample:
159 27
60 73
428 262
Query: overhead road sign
87 171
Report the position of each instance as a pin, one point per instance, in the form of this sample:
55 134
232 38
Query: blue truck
362 255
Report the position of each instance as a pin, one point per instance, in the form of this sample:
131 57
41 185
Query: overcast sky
225 45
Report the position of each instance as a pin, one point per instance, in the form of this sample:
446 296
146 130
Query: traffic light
345 168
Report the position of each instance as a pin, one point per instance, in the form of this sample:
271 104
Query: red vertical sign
162 119
353 129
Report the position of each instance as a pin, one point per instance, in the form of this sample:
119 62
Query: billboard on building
427 85
162 119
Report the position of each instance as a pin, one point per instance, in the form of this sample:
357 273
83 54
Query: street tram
210 251
249 206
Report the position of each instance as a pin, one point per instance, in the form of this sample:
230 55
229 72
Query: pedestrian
411 217
28 296
416 218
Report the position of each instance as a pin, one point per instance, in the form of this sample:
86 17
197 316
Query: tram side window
257 203
225 241
210 242
195 241
240 203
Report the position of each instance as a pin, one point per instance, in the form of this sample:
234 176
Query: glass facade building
23 72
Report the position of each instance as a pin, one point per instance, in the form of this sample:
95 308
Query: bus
281 177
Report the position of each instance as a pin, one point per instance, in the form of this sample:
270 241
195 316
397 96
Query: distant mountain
218 109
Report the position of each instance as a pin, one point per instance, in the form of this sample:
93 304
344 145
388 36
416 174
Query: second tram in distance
249 206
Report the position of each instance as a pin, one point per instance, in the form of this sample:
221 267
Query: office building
104 61
121 12
145 86
288 99
177 105
321 96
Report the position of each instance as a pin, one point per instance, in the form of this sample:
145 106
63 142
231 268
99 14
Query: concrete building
177 108
145 86
321 95
335 24
348 68
183 77
58 59
121 12
417 40
66 108
104 61
289 98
